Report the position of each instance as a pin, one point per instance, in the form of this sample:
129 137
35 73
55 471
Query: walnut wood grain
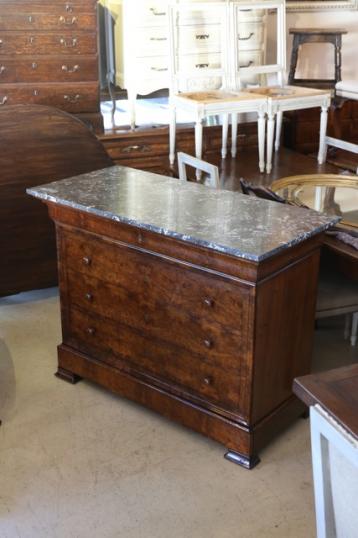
39 145
336 391
177 328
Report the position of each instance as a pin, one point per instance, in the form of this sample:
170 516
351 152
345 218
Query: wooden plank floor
286 163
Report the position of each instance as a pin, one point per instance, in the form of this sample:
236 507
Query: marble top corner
225 221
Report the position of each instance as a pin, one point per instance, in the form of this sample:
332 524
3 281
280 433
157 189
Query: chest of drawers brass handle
36 93
2 69
3 100
142 149
246 65
68 8
1 42
201 66
68 69
31 40
91 331
247 38
34 65
208 343
157 13
68 21
89 297
209 302
202 36
72 98
31 19
86 261
69 44
208 381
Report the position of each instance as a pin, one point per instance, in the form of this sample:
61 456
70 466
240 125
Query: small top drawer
25 18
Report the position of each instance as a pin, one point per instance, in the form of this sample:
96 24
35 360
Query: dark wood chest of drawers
207 340
48 55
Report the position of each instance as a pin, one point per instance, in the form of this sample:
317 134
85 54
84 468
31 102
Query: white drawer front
250 58
152 42
251 15
250 35
199 62
149 13
152 67
199 38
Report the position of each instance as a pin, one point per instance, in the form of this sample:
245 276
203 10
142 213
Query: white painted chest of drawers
142 43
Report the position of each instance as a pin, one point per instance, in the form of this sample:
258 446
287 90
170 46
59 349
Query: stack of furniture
48 55
142 43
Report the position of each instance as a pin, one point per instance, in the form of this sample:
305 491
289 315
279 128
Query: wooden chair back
39 145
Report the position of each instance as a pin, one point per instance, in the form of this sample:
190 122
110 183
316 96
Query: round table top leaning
329 193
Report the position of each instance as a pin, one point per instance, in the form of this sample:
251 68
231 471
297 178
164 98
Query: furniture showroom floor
76 461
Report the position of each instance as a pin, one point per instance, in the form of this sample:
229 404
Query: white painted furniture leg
225 135
347 326
132 98
354 329
198 143
270 137
261 129
322 153
234 120
279 118
172 135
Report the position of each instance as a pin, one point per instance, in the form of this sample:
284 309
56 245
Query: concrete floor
76 461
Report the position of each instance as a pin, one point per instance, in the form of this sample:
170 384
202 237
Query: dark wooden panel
39 145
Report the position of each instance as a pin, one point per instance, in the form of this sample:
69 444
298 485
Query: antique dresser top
225 221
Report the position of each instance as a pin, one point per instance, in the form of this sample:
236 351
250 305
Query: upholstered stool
316 35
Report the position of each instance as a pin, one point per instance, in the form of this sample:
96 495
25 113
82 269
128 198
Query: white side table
212 103
282 99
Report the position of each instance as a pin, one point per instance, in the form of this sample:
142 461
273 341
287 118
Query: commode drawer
33 43
78 97
42 69
160 362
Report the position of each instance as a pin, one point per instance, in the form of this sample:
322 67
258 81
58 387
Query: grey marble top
225 221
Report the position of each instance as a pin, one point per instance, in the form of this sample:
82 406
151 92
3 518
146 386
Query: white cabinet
142 44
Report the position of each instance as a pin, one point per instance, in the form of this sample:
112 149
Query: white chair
211 170
189 79
280 98
335 473
347 89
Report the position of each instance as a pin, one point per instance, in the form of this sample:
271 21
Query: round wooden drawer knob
208 343
91 331
86 261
